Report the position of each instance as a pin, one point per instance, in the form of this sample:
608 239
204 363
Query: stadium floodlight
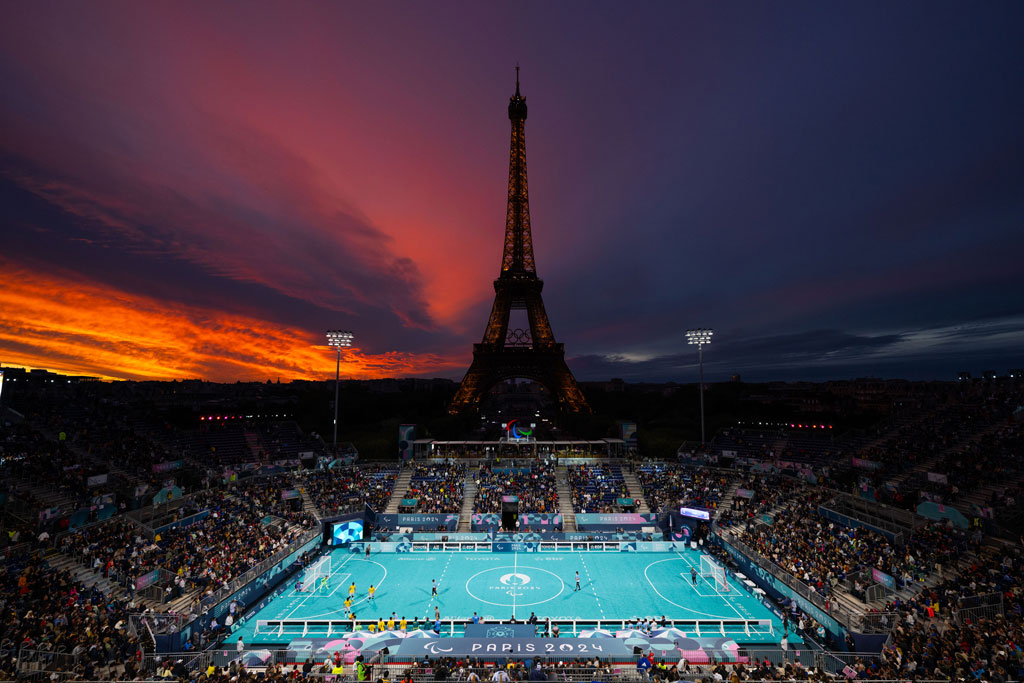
700 337
339 339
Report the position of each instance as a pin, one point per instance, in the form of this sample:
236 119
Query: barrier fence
195 663
45 661
697 628
970 610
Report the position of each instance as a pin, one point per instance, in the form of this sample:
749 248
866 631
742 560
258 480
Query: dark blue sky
194 190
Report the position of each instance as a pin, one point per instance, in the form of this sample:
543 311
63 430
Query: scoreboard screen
344 533
695 513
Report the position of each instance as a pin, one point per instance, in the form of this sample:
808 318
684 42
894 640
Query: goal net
713 572
316 571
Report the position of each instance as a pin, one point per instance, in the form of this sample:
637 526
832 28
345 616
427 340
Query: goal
316 571
714 573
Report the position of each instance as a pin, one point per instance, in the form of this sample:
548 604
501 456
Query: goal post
316 571
713 572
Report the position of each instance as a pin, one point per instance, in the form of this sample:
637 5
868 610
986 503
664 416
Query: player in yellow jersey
352 590
348 605
404 625
391 623
371 591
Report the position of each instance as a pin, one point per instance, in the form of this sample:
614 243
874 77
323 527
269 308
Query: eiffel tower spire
517 255
503 353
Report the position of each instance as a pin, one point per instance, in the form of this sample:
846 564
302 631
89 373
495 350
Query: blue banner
883 578
415 521
526 547
938 511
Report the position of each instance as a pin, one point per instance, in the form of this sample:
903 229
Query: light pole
700 337
338 339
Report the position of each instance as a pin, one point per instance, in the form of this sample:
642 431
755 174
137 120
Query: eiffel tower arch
530 352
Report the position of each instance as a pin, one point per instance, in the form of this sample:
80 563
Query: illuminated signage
695 513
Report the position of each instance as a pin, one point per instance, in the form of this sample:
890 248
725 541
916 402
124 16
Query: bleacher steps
726 502
308 505
399 490
636 492
565 498
468 495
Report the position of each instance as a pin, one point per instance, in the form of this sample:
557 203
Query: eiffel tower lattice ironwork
511 353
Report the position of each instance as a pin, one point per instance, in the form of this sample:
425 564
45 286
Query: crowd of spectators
33 461
347 489
534 483
596 488
437 487
674 484
963 435
990 458
50 618
822 553
203 556
757 495
942 634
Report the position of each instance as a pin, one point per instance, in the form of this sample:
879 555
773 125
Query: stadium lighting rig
339 339
700 337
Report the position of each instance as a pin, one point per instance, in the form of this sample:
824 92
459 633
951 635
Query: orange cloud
55 322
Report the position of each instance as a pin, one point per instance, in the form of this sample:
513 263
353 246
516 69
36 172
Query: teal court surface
614 587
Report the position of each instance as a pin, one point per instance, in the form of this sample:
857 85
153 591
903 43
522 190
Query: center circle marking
511 579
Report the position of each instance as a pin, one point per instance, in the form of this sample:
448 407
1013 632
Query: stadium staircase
399 490
308 505
726 502
468 495
61 562
636 492
565 498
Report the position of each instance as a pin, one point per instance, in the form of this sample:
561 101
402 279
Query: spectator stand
435 487
597 487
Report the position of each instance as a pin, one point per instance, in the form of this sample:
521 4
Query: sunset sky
200 189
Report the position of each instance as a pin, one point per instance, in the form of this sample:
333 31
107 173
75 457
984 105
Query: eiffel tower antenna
503 353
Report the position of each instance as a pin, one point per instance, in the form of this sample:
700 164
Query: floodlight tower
700 337
338 339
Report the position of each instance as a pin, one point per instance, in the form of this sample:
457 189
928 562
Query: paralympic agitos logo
516 432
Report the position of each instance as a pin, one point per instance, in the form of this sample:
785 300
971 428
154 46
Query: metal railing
33 660
568 628
836 662
841 510
195 663
971 610
157 623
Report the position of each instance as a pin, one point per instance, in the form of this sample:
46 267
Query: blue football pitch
614 587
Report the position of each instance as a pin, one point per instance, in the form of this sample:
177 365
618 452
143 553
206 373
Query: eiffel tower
509 353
